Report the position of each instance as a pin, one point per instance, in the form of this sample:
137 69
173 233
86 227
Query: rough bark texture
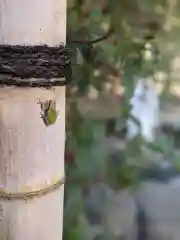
31 154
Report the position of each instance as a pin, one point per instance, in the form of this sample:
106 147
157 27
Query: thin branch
90 42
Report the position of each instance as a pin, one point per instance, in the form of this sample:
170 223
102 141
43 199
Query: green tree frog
49 112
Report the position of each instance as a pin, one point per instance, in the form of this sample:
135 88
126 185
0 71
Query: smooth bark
31 154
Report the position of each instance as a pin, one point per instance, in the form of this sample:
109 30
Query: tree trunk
31 154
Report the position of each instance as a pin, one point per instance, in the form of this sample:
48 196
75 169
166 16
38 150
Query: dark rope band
34 66
29 195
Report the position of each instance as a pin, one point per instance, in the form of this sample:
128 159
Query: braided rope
32 194
35 66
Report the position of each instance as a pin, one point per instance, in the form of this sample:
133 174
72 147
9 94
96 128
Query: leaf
176 162
73 205
108 49
91 157
86 52
100 55
75 234
73 21
85 78
81 33
96 14
97 31
155 147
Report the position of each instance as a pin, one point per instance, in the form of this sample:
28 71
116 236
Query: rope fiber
34 66
32 194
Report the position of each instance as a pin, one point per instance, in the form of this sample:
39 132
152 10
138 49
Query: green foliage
122 176
107 40
176 161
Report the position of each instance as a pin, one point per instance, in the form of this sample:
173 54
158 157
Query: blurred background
122 155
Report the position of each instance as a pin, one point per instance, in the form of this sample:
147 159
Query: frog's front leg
41 115
44 119
39 102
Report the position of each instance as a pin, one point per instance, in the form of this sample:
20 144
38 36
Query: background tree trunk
31 154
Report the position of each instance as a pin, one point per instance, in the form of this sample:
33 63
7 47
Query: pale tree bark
31 154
